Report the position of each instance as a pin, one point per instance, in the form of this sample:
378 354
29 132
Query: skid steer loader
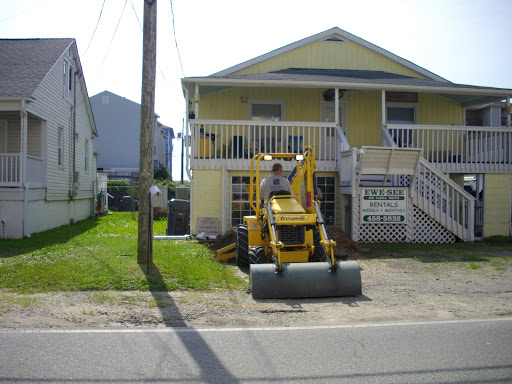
285 244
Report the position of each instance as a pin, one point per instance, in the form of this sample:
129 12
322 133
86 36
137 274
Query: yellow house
374 119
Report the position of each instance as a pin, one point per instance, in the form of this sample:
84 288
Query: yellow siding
364 118
207 196
328 55
497 205
437 110
301 104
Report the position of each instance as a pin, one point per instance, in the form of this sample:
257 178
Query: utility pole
147 120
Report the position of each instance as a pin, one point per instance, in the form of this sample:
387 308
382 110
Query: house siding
51 106
207 196
331 55
435 109
497 205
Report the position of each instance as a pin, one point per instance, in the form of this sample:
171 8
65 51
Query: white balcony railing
10 170
214 143
444 200
456 148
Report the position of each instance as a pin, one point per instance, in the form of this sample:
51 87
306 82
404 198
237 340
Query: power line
92 37
176 41
136 16
142 29
111 40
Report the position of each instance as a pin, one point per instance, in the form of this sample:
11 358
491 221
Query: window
267 110
402 113
240 205
68 80
327 186
60 147
86 155
3 136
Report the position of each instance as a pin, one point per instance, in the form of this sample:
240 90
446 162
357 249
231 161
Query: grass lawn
101 254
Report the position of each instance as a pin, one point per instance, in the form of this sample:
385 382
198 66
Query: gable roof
241 75
333 34
24 63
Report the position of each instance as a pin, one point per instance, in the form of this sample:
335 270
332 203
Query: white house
47 165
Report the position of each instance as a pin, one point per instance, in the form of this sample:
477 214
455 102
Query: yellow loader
285 244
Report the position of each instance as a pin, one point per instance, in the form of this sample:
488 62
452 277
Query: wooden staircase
440 210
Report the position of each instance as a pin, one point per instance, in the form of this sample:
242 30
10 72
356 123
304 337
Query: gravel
393 290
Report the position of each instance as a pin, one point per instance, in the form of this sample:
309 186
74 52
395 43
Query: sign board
208 225
383 205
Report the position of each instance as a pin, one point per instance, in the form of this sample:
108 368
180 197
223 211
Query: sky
464 41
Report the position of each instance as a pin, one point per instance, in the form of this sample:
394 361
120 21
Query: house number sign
383 205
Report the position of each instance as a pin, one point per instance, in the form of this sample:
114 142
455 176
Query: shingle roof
25 62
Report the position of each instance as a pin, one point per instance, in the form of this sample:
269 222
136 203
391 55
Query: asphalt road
468 351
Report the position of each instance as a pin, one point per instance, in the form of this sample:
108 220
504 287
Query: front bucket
313 279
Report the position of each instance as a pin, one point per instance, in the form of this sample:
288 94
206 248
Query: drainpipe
23 169
74 134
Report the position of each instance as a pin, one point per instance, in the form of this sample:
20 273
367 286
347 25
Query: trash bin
178 214
126 203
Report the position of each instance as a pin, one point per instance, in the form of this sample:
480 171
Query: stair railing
444 200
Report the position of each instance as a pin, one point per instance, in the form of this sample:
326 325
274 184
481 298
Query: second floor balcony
229 143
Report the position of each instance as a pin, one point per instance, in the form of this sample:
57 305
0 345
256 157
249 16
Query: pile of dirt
345 248
228 238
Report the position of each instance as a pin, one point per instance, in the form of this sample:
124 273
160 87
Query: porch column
196 101
337 105
383 112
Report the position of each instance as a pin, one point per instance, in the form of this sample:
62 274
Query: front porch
22 150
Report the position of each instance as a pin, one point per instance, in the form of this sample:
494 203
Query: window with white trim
60 147
240 205
267 110
402 113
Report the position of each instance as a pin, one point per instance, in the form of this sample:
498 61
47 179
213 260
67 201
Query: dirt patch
393 290
345 248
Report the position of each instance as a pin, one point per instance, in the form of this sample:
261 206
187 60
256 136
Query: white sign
384 205
208 225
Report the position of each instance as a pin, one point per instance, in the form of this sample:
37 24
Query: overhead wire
97 23
158 66
112 39
176 41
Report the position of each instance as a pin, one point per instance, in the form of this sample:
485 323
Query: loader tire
319 254
257 255
242 246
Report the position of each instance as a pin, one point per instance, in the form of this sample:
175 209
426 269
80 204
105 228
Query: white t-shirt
272 184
